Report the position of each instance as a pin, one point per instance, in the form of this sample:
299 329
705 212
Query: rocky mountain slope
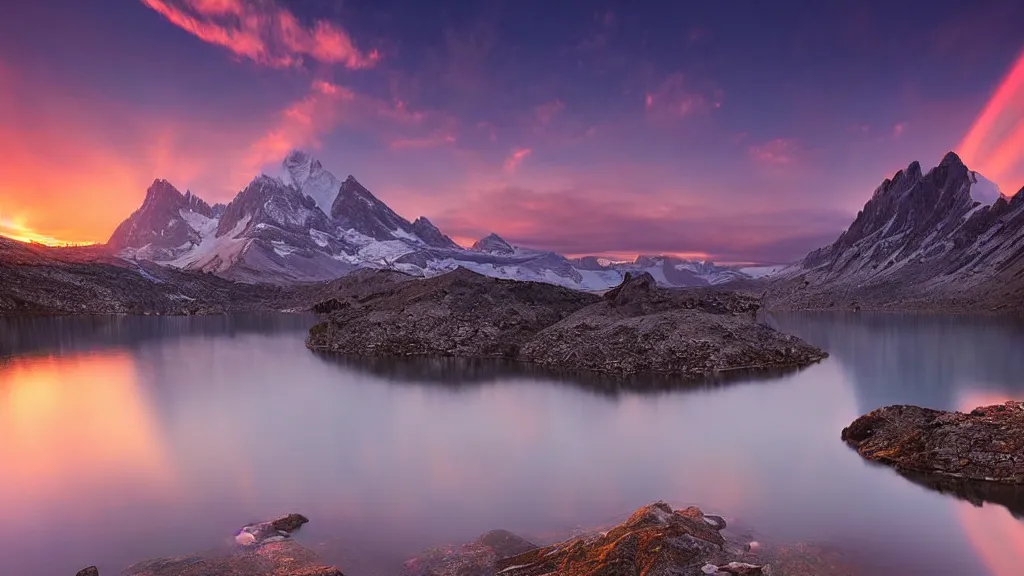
85 280
635 328
945 239
309 226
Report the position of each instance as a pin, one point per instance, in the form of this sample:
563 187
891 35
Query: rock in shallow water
654 541
637 328
986 444
265 549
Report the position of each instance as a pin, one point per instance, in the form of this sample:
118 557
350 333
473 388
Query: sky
735 131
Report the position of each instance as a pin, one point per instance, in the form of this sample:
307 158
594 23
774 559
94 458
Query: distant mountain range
309 226
945 239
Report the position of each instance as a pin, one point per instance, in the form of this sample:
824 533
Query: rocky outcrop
634 328
457 314
641 328
90 571
655 541
477 558
35 280
264 549
986 444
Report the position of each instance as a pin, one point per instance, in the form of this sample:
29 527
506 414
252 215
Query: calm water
128 438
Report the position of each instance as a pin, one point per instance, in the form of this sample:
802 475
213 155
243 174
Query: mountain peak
309 176
494 244
426 231
162 190
951 159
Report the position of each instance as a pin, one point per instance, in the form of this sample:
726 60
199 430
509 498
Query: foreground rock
636 328
986 444
655 541
264 549
477 558
641 328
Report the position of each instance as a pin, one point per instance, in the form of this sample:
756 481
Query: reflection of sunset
71 424
994 533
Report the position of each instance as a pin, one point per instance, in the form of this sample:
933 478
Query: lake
125 438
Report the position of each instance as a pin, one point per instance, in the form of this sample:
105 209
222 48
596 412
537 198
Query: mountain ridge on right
945 240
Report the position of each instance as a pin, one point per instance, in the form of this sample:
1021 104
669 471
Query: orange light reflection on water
75 429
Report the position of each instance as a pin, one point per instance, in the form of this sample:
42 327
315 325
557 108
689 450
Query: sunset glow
51 407
579 142
995 143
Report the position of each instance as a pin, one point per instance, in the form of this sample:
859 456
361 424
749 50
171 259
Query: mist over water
128 438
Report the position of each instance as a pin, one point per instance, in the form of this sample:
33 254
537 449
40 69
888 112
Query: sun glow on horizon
22 233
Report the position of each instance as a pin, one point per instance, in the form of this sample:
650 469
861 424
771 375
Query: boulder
986 444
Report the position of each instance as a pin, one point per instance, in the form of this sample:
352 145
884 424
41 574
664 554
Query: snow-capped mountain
307 225
945 235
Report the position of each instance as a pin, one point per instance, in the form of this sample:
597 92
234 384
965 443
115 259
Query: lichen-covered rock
654 541
986 444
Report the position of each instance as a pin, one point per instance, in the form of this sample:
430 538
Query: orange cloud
516 158
263 32
780 151
994 145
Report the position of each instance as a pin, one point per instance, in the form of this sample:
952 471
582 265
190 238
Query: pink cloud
678 97
302 123
898 129
780 151
516 158
613 220
263 32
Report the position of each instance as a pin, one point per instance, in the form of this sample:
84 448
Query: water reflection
21 335
78 438
466 373
920 359
217 422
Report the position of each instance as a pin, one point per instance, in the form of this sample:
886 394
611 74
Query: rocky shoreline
636 328
985 444
656 540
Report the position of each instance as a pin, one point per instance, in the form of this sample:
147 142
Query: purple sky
743 135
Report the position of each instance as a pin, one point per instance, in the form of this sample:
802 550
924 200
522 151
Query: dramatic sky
739 131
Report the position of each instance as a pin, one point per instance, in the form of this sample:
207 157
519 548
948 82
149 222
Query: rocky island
637 327
655 540
986 444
